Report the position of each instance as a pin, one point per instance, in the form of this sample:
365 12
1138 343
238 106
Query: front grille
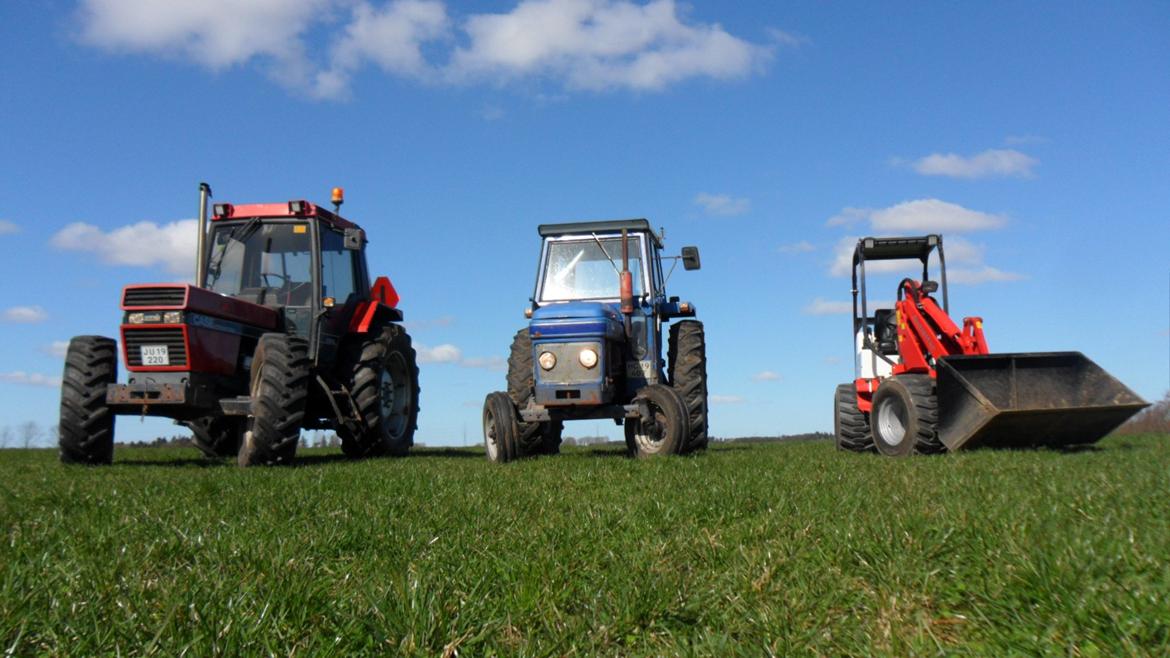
172 338
168 296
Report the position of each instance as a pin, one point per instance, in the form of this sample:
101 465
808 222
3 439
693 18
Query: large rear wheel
86 427
384 384
850 426
904 415
217 436
280 387
687 352
663 428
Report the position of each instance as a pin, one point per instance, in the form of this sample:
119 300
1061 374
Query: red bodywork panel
925 334
211 345
308 211
382 293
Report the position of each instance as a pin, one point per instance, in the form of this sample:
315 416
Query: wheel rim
891 423
650 440
490 440
394 395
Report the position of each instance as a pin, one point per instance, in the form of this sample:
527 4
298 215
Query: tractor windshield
588 269
263 263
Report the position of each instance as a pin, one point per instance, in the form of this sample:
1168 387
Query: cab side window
337 278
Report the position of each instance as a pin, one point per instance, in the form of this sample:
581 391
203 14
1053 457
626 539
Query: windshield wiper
243 231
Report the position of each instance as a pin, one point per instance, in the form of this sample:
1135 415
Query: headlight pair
586 357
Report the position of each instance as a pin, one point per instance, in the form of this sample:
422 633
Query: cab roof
307 210
604 226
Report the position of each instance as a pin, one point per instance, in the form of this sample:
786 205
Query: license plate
155 355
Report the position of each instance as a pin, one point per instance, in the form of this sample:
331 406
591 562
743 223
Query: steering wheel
284 280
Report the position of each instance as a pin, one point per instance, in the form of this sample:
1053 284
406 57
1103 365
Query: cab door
341 286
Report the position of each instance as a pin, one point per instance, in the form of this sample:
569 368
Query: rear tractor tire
384 385
532 438
687 352
86 427
850 425
904 419
499 428
217 436
665 430
280 387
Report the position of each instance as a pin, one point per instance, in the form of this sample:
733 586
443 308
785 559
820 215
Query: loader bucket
1028 400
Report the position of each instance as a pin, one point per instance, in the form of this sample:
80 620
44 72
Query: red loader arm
926 333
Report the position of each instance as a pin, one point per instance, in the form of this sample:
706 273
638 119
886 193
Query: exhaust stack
204 195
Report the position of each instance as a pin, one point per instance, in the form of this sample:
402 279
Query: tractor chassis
537 413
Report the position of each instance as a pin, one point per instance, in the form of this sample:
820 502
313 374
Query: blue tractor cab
594 347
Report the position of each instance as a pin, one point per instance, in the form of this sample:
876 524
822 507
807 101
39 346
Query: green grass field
749 549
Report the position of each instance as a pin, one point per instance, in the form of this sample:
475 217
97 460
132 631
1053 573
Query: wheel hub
891 424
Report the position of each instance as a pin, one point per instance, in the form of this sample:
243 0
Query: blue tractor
593 348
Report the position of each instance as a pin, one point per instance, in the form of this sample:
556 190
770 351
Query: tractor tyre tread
852 426
216 436
366 361
687 353
280 392
922 391
86 427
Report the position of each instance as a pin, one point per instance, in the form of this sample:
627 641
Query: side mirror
354 239
930 287
690 258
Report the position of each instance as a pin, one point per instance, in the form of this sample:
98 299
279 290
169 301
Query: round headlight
587 357
547 360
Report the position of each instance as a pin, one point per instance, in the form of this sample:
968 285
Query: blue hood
576 320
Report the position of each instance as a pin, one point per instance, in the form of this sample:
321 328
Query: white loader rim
891 423
394 393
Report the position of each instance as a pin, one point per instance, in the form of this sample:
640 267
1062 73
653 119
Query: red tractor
924 384
282 332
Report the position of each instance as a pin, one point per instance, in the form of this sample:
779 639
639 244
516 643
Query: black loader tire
850 425
904 416
531 438
688 375
383 380
499 428
671 425
86 427
280 388
217 436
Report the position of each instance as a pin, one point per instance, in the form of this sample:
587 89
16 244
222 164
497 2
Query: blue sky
1035 136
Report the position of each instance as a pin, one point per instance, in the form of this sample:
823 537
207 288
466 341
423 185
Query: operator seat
886 326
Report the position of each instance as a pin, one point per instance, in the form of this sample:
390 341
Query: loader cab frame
871 332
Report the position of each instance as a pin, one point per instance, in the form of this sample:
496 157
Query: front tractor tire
664 429
280 388
904 419
532 438
687 352
384 384
86 427
850 426
499 428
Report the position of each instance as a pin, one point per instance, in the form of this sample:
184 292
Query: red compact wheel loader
924 384
283 331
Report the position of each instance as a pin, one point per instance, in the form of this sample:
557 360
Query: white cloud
145 244
496 363
849 216
445 353
7 227
767 376
601 44
722 205
821 306
391 38
932 216
976 275
30 379
217 34
57 348
802 247
25 314
724 399
320 44
993 162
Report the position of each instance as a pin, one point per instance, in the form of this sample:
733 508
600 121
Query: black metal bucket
1027 400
